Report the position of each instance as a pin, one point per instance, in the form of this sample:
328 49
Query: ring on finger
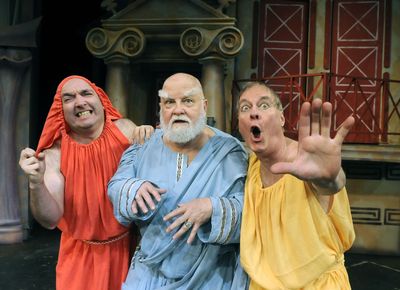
188 224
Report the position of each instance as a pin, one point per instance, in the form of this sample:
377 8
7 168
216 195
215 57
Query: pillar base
11 232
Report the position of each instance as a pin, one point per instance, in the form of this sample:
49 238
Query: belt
104 242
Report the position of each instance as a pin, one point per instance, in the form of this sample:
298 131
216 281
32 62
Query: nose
254 113
80 100
178 109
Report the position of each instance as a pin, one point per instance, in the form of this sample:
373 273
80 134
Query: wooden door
282 51
357 41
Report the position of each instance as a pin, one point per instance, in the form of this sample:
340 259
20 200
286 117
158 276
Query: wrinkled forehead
189 92
257 92
181 85
76 85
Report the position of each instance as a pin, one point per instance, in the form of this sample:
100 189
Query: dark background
61 52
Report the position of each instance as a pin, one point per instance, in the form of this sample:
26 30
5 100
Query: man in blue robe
184 190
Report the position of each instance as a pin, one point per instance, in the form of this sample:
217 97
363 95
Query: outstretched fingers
326 117
304 120
315 119
344 130
316 116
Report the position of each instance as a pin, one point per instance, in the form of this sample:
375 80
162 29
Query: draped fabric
55 122
88 213
217 172
287 239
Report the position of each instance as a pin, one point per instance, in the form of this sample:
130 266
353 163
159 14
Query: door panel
357 43
283 48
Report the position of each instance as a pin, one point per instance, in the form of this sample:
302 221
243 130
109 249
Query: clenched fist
34 167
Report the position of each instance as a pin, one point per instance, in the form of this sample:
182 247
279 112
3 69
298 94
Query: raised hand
34 167
146 196
191 215
318 157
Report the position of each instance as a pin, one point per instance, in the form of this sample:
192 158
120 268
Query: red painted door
357 41
282 46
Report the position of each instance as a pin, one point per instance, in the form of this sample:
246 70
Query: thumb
282 168
40 156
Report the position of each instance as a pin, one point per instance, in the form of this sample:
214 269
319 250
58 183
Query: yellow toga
288 241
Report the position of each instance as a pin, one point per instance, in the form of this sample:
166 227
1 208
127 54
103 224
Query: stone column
117 83
14 73
212 80
117 48
15 92
213 48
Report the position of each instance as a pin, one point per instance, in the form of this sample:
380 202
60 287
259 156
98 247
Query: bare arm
46 185
135 134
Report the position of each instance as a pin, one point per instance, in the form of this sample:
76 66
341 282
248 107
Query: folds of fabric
218 172
88 215
92 266
55 122
287 240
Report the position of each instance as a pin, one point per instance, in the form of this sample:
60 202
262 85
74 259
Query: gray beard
186 134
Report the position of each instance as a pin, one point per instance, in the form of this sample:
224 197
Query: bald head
186 83
182 77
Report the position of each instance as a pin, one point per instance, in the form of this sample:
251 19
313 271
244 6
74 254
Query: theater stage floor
31 266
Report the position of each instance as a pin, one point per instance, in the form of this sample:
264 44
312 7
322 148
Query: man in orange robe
79 150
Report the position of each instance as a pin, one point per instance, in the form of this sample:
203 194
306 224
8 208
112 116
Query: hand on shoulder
135 134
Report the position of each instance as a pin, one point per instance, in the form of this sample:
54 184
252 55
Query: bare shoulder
126 126
53 156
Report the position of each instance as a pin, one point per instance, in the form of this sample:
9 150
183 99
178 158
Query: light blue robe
212 260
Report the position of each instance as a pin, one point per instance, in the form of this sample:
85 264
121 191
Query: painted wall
375 202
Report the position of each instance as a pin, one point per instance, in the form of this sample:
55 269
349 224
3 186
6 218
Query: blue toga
212 260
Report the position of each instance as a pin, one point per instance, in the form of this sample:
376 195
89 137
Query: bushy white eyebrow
191 92
163 94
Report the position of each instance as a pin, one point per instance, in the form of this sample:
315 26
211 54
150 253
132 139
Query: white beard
183 134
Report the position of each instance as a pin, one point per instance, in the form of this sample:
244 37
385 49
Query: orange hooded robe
94 248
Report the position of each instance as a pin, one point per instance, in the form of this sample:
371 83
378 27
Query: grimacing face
82 107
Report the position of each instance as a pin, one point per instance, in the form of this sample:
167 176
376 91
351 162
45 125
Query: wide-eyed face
183 110
260 120
83 110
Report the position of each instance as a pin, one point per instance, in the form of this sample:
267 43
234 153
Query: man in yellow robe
296 221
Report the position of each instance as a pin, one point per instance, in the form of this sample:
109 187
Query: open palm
318 156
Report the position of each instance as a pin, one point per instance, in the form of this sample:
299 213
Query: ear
282 120
205 104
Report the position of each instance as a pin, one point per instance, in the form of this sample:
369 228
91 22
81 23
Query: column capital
116 59
225 42
212 59
15 56
110 45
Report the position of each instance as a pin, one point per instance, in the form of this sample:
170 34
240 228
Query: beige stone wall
375 208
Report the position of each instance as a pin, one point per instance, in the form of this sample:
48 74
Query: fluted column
117 48
212 79
117 83
213 48
14 73
15 93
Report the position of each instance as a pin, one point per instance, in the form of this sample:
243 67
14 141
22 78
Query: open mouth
255 131
84 113
180 122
